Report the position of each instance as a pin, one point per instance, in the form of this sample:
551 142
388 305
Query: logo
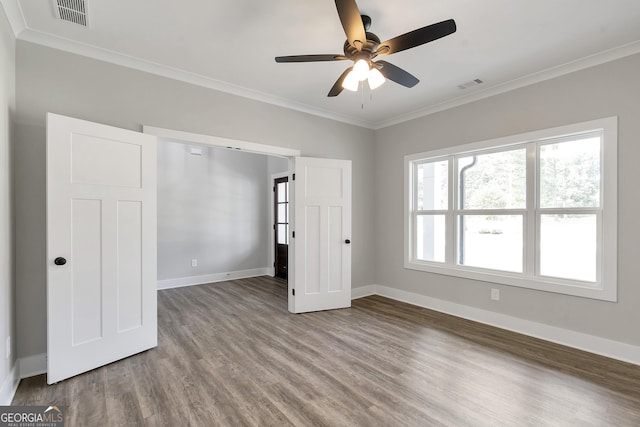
31 416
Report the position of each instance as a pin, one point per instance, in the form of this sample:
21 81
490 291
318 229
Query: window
535 210
281 190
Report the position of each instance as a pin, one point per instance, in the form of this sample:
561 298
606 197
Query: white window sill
548 284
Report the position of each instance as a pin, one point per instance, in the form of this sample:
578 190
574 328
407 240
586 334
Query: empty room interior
336 213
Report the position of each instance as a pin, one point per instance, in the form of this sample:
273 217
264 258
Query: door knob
59 261
347 241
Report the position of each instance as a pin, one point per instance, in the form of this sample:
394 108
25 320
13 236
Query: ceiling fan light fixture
376 79
361 70
351 82
362 47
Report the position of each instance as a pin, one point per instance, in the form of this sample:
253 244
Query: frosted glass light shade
361 69
351 82
375 78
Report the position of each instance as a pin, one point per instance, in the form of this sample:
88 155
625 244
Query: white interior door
101 245
322 242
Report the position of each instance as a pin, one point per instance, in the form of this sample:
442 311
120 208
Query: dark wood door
281 226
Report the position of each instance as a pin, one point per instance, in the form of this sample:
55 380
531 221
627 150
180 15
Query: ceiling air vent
74 11
467 85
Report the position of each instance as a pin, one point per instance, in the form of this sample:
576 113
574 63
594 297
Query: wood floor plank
229 354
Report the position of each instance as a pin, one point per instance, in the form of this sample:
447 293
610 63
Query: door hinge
274 226
274 263
274 188
293 292
293 178
293 235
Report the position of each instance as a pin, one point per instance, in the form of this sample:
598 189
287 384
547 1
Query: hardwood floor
230 354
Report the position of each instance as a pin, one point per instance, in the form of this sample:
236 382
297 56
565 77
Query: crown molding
14 14
22 32
82 49
540 76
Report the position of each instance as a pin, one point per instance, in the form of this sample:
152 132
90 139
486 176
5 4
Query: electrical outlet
495 294
194 263
8 346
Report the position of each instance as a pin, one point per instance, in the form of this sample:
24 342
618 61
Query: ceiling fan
362 47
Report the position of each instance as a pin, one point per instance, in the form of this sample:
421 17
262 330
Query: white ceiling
231 44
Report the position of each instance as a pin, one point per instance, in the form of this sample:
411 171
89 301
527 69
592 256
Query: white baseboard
24 367
9 386
590 343
212 278
363 291
31 366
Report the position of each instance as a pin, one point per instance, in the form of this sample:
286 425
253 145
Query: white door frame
250 147
217 141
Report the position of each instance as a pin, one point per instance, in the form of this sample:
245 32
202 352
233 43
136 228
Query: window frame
605 287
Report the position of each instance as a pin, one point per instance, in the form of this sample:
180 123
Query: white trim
31 366
602 346
606 286
211 278
504 141
363 291
520 82
18 23
15 16
9 386
216 141
117 58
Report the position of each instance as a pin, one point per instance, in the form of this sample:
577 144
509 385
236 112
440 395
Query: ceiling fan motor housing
368 48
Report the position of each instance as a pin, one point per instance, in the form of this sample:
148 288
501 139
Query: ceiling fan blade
417 37
352 22
337 86
396 74
310 58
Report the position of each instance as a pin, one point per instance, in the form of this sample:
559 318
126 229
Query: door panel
129 265
86 280
106 162
322 189
312 240
101 217
336 248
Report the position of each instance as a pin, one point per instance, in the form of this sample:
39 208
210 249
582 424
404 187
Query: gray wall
48 80
51 80
7 107
211 207
611 89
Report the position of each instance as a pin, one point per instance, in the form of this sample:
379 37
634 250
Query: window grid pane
432 185
283 235
282 212
283 195
431 238
492 181
570 173
491 241
568 246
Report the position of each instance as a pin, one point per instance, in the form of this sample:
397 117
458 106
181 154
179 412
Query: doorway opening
320 207
281 227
